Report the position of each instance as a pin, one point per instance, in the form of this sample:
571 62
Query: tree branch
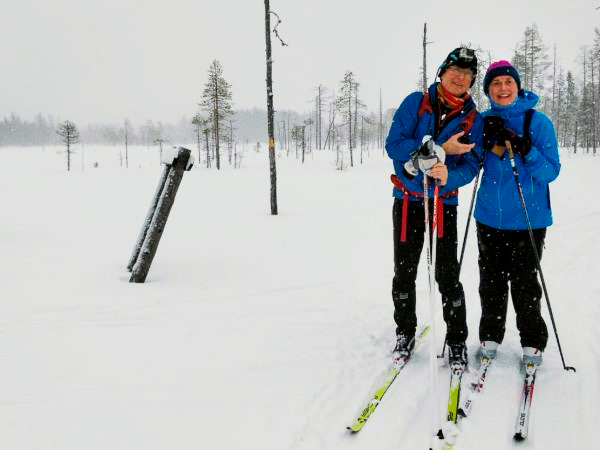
283 44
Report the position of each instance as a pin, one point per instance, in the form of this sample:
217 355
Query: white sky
146 59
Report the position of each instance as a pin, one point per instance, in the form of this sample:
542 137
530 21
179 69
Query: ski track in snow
255 331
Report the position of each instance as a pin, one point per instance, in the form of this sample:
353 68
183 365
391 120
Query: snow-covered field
254 331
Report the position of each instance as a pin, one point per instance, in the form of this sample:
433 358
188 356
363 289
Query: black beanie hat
461 57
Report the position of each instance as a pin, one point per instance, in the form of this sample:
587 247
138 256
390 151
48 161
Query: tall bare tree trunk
273 170
554 88
126 144
216 119
584 101
355 125
207 150
593 120
575 140
425 57
319 118
380 130
350 123
532 72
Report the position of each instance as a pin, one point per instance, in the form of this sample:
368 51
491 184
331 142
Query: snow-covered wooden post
149 216
176 162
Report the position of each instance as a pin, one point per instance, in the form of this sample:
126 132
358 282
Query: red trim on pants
439 213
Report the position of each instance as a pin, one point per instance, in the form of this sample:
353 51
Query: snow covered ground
254 331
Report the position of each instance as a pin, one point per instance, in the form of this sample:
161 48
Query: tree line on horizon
340 120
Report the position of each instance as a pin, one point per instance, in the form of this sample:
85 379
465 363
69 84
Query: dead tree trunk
350 123
272 165
425 57
380 127
154 225
593 120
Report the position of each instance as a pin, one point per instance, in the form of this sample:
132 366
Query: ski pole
431 252
535 251
464 243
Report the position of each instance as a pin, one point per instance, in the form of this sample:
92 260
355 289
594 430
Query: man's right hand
454 147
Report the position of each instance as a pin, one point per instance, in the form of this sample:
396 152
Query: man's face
457 80
503 90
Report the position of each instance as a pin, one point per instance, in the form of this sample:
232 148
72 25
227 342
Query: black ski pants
406 261
506 256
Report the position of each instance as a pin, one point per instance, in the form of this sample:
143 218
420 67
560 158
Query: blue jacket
406 135
498 201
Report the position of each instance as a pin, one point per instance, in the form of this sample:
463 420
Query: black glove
493 126
464 139
520 145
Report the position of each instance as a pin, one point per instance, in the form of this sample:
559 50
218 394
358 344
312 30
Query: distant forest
248 125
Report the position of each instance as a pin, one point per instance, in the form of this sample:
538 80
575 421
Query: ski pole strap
406 194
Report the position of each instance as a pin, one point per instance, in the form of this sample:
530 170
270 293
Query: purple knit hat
498 68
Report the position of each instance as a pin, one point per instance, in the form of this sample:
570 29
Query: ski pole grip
509 148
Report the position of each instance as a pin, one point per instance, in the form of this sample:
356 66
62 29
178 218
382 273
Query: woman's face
457 80
503 90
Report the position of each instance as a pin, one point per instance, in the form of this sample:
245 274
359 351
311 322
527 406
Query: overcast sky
107 60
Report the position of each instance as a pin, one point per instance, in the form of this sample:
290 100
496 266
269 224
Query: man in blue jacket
448 115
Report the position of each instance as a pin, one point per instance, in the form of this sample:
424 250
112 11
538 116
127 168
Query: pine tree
70 136
532 61
216 102
570 119
349 105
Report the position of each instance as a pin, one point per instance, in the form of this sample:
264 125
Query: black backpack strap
528 116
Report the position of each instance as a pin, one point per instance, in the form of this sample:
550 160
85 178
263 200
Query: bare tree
319 106
199 122
570 120
159 141
349 104
380 124
424 67
70 136
126 132
299 137
270 110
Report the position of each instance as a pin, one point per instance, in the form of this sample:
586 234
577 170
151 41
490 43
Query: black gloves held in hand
492 127
494 132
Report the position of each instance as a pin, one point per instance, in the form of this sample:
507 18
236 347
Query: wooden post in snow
156 219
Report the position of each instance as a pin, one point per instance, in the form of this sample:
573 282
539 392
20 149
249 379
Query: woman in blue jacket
505 250
447 113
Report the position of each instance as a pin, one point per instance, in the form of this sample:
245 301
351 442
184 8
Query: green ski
454 397
359 423
450 430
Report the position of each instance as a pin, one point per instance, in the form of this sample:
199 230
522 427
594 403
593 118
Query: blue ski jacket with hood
406 135
498 201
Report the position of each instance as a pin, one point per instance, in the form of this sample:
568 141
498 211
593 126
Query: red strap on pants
440 217
404 216
439 213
